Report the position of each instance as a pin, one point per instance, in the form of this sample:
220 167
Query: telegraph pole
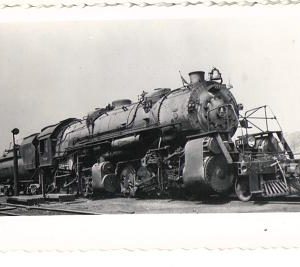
15 131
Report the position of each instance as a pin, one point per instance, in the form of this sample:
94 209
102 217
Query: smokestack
196 76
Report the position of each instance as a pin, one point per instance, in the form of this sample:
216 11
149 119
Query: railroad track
21 210
116 206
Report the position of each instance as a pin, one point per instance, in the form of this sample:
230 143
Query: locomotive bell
196 76
15 131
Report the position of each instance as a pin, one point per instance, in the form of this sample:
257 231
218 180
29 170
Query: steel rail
274 202
52 209
8 214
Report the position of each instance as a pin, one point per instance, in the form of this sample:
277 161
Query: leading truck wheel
218 174
242 189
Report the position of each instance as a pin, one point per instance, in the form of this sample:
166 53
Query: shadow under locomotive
170 143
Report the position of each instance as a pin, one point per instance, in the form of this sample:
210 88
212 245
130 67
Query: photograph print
150 116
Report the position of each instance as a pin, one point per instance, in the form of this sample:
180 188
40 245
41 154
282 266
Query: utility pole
15 131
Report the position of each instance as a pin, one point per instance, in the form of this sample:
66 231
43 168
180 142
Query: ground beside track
119 205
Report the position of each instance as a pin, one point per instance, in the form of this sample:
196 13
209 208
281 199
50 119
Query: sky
55 70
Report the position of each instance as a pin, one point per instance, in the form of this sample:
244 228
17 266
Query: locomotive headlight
251 141
222 111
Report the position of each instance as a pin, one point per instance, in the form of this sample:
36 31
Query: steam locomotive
168 142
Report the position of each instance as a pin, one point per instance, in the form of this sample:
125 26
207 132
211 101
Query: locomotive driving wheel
242 189
127 180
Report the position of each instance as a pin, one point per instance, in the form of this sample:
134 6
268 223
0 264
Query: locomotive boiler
167 140
131 147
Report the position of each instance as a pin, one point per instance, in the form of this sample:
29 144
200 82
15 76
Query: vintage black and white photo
150 116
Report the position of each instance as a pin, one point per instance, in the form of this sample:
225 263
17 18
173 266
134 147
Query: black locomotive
169 141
